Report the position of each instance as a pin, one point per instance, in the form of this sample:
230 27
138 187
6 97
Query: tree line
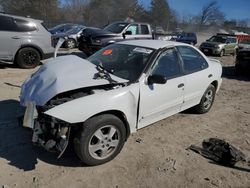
101 12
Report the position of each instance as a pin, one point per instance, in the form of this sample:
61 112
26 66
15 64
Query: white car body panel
123 99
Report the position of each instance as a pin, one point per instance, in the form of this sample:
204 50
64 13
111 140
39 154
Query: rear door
197 75
9 38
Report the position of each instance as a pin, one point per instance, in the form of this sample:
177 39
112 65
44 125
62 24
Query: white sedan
124 87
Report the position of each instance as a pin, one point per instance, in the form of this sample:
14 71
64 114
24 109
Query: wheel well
37 49
215 84
121 116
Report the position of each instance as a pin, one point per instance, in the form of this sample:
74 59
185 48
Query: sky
233 9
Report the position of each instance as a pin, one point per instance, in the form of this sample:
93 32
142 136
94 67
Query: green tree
160 13
41 9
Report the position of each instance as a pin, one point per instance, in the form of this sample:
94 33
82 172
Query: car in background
189 38
24 41
242 62
98 102
244 44
220 44
71 36
62 28
92 40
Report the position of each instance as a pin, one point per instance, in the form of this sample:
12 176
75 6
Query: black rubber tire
82 138
70 43
200 108
28 58
238 69
222 53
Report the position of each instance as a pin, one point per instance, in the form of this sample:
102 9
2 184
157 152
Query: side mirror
157 79
128 33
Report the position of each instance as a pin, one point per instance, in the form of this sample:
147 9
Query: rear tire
206 101
100 139
28 58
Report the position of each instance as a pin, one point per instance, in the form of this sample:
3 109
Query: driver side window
134 29
167 65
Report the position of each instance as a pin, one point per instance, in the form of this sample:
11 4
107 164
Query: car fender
79 110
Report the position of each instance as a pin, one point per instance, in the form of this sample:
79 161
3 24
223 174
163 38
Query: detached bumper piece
51 133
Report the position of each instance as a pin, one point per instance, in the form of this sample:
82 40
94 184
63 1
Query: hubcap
208 99
71 44
104 142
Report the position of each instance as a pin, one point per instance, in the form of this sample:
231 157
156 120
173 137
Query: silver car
71 36
24 41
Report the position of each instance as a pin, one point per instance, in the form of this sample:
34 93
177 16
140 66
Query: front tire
70 43
100 139
206 101
28 58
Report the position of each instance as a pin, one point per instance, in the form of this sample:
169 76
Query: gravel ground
155 156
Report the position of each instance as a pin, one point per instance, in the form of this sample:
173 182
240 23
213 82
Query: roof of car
20 17
155 44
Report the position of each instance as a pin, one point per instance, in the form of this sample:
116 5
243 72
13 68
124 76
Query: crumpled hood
59 75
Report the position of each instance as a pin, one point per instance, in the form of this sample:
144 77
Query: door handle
210 75
181 85
15 37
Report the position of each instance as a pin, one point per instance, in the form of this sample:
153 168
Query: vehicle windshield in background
116 27
245 42
219 39
124 61
75 30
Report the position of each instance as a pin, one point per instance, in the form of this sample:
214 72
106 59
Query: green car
220 44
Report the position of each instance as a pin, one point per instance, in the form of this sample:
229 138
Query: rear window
24 26
7 24
144 30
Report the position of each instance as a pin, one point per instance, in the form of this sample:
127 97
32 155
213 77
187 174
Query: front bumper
209 50
48 132
89 48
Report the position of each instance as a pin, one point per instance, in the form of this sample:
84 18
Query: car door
9 39
197 75
134 29
158 101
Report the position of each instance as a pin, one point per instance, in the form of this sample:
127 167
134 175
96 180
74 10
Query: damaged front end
52 133
49 132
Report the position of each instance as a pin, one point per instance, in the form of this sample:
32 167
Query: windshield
245 41
124 61
219 39
75 30
116 27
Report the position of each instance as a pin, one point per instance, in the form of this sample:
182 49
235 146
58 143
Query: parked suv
24 41
220 44
189 38
93 39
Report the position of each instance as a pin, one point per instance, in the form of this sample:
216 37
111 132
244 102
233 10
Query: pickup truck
93 39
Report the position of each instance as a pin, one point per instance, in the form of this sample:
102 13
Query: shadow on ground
229 72
15 142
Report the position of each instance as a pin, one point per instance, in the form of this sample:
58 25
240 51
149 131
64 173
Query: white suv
24 41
